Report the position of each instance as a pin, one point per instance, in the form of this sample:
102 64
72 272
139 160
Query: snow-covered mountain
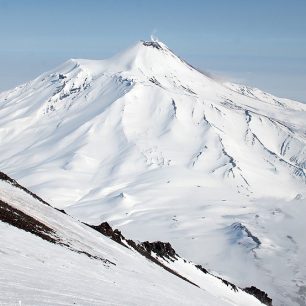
164 152
49 258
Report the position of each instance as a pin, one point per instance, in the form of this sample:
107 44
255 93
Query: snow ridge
58 232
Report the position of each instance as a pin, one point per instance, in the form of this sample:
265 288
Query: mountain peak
153 44
145 49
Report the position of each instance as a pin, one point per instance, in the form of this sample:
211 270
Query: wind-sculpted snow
177 144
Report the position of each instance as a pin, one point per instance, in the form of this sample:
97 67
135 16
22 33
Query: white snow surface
163 152
36 272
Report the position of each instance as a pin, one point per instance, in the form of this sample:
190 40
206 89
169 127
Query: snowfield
86 268
164 152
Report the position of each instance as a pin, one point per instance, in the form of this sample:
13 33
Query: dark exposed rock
23 221
17 218
144 252
61 210
125 81
164 250
144 248
61 76
153 44
64 95
76 89
161 249
174 107
227 283
202 269
237 226
105 229
260 295
231 159
154 81
188 90
6 178
248 116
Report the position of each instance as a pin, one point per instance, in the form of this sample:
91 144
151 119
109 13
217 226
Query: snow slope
85 268
162 151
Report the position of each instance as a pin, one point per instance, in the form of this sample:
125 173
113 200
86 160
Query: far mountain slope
146 109
148 142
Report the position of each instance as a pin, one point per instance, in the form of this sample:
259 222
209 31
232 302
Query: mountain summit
145 109
145 140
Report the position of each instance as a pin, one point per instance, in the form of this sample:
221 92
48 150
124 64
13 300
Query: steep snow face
146 141
89 268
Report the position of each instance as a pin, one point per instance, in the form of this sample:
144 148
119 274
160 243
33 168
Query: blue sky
261 43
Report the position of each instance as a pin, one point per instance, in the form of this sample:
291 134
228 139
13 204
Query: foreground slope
49 258
147 142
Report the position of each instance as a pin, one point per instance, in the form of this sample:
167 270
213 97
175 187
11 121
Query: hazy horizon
261 44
